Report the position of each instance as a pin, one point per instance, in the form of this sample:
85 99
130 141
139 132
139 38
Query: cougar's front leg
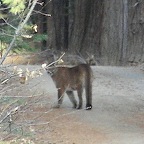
60 96
72 98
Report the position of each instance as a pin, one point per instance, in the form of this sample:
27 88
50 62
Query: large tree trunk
112 30
122 39
87 27
136 31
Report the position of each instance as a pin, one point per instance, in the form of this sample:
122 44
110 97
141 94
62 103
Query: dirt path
117 116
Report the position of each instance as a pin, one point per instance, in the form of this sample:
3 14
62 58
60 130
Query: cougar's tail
88 87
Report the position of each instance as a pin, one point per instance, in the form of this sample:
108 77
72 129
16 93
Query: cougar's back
71 77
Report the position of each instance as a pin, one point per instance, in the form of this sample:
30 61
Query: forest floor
117 116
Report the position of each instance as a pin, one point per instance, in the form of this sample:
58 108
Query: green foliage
22 43
16 6
39 37
5 39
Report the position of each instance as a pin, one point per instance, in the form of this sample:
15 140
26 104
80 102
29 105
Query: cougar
69 79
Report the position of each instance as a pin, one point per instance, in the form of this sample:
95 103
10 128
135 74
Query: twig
3 33
55 118
49 15
8 23
55 61
4 81
21 96
9 113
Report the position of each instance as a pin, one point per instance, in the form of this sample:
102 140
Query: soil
117 116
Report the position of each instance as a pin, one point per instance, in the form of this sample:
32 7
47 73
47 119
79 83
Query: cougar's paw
79 107
75 106
88 107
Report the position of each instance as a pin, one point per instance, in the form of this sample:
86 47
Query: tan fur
70 79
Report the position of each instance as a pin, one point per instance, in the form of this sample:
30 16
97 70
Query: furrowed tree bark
112 31
87 27
135 31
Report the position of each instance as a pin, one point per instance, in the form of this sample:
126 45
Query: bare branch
3 33
55 61
49 15
9 23
52 120
8 113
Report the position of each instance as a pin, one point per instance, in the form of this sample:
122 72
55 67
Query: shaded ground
117 116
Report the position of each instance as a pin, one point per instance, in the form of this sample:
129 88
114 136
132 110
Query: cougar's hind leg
72 98
80 91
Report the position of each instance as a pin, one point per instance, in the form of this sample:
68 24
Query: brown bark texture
112 31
